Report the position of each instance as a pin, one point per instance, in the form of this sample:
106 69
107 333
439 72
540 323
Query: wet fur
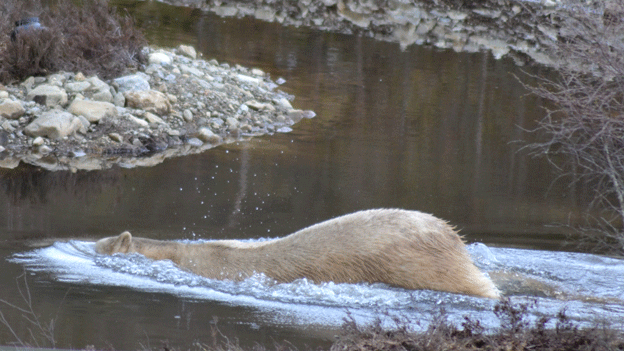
407 249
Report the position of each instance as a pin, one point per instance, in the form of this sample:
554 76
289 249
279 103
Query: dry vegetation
515 333
91 38
586 128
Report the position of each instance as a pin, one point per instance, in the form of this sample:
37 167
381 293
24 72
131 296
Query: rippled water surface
436 131
582 284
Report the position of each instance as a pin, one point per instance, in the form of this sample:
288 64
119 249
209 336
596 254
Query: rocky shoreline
176 105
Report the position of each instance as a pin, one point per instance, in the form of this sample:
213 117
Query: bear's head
121 243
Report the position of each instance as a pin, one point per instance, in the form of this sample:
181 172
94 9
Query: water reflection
418 129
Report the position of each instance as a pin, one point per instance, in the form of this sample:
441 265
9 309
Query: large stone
191 70
188 51
49 95
97 84
148 100
56 79
93 111
103 95
136 82
159 58
152 118
54 124
77 87
208 136
11 109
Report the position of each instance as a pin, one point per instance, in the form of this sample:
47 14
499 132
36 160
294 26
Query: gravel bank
176 105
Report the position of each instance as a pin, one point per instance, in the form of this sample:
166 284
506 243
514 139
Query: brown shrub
91 38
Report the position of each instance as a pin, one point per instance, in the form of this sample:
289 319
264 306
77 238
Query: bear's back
375 229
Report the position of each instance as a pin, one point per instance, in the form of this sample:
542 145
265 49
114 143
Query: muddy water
418 129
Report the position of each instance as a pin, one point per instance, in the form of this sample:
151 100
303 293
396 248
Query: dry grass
515 333
91 38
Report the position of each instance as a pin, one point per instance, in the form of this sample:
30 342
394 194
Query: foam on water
589 287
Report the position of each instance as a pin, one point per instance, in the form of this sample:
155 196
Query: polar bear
401 248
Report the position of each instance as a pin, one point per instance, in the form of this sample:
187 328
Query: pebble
188 115
116 137
38 141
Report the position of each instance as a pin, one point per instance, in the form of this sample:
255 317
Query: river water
425 129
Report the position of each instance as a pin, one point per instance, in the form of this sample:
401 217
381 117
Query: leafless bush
586 129
40 334
91 38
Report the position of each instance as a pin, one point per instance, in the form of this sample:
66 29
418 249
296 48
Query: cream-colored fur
407 249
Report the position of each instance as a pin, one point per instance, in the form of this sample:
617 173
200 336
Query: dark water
423 129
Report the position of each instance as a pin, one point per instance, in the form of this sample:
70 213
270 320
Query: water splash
590 287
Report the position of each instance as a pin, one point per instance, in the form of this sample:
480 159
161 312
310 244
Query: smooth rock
115 137
38 141
103 95
44 149
119 100
139 121
11 110
56 79
9 162
191 70
255 105
77 87
232 123
208 136
159 58
134 82
187 51
152 118
247 79
188 115
195 142
8 126
48 95
284 103
297 115
257 72
97 84
54 124
148 100
93 111
85 125
265 14
225 10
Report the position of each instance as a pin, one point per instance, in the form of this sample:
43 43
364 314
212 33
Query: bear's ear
122 242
